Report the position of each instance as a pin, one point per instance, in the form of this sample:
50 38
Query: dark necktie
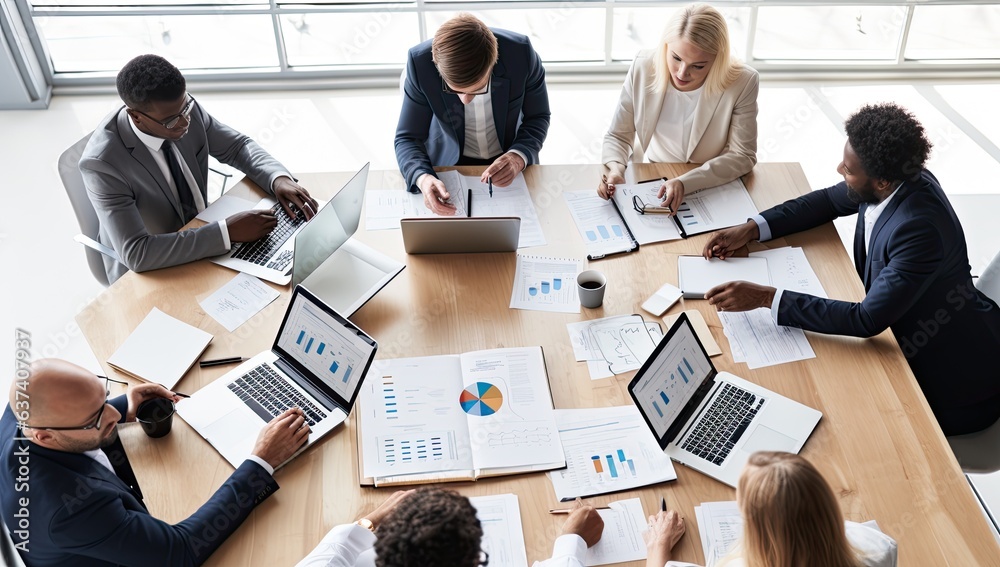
123 469
183 190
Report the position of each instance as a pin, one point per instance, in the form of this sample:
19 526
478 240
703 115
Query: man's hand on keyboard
282 437
251 225
293 196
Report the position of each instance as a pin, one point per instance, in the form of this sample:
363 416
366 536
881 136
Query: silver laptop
282 256
317 363
712 421
460 235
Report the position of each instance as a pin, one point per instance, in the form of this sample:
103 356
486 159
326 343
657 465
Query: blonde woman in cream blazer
723 130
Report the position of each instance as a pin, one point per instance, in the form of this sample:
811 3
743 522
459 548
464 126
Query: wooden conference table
878 444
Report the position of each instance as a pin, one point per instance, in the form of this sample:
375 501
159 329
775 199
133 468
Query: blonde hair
464 50
790 516
705 28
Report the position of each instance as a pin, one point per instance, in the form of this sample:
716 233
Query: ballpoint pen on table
221 361
468 206
570 510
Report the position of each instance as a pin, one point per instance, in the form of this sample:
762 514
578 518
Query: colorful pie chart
482 399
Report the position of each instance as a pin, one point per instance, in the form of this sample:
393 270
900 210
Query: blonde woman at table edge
791 518
687 102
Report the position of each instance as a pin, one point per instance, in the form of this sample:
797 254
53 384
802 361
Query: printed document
720 526
613 345
503 536
603 230
608 450
240 299
621 539
546 284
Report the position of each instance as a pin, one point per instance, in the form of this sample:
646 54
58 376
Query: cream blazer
724 134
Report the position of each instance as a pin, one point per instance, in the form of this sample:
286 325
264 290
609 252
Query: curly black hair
149 78
889 141
430 527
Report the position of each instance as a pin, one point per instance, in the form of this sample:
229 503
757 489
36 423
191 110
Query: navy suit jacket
81 514
918 281
431 129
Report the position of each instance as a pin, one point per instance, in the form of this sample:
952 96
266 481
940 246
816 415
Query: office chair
69 172
989 280
8 555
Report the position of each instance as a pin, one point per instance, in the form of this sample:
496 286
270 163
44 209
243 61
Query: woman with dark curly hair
910 252
435 527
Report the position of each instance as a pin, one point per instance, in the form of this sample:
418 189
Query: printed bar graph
597 464
389 395
611 467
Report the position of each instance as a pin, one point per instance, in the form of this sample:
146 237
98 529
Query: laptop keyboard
260 251
268 394
722 424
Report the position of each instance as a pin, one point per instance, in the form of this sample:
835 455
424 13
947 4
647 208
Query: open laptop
708 420
460 235
281 256
317 363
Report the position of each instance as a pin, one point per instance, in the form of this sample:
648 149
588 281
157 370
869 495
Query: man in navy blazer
471 96
68 492
910 252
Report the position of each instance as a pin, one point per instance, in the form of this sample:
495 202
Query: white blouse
669 143
877 549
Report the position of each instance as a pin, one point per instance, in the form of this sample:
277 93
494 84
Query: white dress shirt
155 147
481 140
871 217
101 457
670 140
350 545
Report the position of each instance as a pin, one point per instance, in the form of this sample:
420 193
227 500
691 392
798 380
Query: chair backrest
989 280
69 172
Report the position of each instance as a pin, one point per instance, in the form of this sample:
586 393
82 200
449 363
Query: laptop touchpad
764 438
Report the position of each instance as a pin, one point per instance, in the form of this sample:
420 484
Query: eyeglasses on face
95 421
171 122
449 90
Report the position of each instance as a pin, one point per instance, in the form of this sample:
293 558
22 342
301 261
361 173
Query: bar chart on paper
545 284
607 450
599 223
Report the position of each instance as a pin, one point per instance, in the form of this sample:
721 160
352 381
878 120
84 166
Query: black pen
662 179
490 181
468 206
221 361
663 504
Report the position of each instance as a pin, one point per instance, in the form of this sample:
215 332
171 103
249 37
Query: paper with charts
546 284
646 228
715 208
613 345
720 525
754 337
621 539
503 535
458 417
607 450
601 227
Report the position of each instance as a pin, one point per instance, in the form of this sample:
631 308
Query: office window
828 33
363 38
564 34
105 43
954 32
635 29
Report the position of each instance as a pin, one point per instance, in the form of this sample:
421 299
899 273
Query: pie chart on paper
482 399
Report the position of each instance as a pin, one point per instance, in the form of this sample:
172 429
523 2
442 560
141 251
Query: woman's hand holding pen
672 194
606 189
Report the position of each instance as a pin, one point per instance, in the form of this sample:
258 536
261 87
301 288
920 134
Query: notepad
160 350
696 275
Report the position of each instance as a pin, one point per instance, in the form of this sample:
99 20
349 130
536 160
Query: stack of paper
720 526
754 337
607 450
621 539
613 345
161 349
503 536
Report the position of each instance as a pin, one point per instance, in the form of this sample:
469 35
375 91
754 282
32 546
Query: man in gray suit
146 172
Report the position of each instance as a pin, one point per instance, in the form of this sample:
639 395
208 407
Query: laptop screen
316 338
670 379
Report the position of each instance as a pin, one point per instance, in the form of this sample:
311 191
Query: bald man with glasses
69 495
146 172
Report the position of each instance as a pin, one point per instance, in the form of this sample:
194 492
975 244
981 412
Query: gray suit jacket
138 212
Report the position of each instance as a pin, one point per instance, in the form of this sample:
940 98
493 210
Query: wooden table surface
878 444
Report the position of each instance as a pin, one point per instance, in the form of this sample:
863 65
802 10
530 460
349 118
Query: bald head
60 393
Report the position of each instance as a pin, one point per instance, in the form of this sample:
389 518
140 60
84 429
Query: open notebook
457 418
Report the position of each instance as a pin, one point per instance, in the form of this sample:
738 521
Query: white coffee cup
591 285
